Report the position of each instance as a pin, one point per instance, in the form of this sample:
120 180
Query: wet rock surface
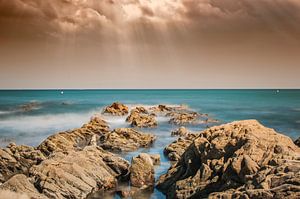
126 139
239 160
117 109
142 171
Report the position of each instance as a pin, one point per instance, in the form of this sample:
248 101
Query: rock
182 131
168 109
142 171
18 159
75 174
29 106
77 138
126 139
297 142
183 118
241 160
117 109
139 117
5 194
21 184
155 159
175 150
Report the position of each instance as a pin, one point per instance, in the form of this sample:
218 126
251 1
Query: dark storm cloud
57 18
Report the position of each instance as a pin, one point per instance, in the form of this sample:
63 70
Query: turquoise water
51 111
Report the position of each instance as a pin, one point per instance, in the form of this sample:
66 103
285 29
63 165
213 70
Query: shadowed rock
126 139
117 109
240 160
297 142
17 159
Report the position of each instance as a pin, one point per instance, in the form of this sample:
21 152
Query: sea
28 117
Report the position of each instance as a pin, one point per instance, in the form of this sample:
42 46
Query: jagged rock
142 171
29 106
175 150
297 142
77 138
183 118
139 117
5 194
21 184
155 159
117 109
126 139
17 159
168 109
182 131
241 159
75 174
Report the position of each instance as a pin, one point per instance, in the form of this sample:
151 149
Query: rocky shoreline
241 159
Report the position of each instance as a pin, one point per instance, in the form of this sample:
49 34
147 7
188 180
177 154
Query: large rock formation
75 174
184 118
77 138
175 150
126 139
238 160
20 184
142 171
117 109
18 159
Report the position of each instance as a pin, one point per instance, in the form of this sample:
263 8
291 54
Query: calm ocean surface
28 117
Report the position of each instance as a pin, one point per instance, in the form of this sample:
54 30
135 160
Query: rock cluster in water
238 160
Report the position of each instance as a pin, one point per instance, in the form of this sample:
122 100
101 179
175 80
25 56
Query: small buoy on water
277 91
61 92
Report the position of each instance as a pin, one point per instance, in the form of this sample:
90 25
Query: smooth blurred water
52 112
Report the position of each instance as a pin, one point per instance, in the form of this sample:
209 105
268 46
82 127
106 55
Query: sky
149 44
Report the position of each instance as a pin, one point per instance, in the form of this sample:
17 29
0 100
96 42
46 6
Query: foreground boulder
238 160
19 186
75 174
139 117
117 109
77 138
142 171
126 139
18 159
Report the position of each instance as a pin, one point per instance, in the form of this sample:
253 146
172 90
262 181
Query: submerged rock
239 160
117 109
75 174
18 159
142 171
126 139
77 138
20 187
